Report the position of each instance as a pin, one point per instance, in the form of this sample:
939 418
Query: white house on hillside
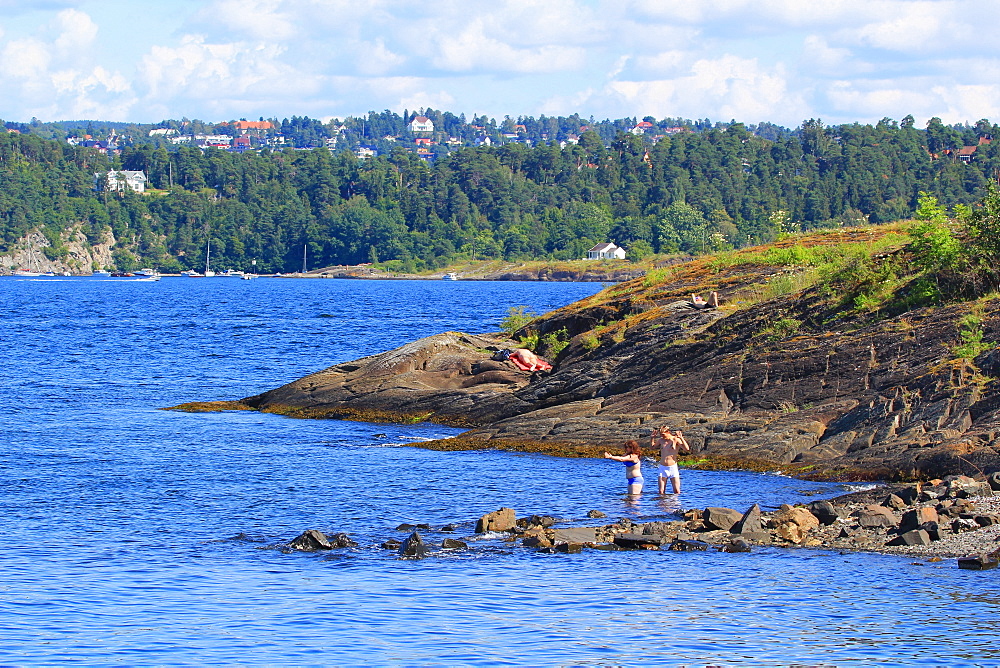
117 181
421 124
606 251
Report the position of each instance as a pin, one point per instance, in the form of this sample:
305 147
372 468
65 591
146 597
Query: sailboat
208 249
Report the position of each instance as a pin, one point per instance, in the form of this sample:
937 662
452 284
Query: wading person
632 459
669 445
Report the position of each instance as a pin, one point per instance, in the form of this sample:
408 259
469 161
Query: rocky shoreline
957 517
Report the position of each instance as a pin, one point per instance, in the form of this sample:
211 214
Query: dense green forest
694 191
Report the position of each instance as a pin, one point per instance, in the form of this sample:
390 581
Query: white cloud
256 19
473 49
25 59
77 31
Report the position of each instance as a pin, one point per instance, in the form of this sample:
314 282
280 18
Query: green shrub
516 318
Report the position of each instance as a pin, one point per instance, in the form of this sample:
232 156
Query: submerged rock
413 546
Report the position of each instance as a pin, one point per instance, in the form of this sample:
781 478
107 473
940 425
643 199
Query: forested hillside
690 191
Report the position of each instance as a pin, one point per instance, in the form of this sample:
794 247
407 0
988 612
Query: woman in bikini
632 459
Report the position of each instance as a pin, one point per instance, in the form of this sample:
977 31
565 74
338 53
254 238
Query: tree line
699 190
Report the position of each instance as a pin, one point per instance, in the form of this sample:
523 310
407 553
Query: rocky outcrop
796 383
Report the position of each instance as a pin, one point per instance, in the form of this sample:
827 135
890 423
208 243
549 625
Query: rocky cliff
794 381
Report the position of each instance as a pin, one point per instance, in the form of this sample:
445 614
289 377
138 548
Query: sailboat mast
304 248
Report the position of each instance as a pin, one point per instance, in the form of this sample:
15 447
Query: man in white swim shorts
669 445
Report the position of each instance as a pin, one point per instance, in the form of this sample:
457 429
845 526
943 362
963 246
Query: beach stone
986 520
994 481
453 544
824 511
914 518
736 545
498 520
391 544
413 546
656 528
909 494
575 535
595 514
342 540
962 486
894 502
915 537
876 516
963 524
980 562
750 522
569 548
637 541
720 518
539 540
790 531
310 541
934 530
449 528
688 546
797 515
758 537
536 521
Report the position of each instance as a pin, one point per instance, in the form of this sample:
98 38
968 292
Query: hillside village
421 136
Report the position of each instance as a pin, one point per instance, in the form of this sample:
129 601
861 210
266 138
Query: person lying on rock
525 360
670 445
632 459
698 302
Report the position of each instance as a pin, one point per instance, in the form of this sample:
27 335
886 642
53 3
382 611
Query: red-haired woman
632 459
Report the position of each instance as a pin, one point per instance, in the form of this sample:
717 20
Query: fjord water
140 536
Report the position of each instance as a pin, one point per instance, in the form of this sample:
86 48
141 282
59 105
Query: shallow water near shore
137 535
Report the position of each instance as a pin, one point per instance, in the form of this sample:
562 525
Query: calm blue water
139 536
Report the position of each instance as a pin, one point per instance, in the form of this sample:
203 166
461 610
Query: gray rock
908 494
452 544
736 545
391 544
536 521
413 546
894 502
824 511
688 546
980 562
994 481
876 516
569 548
750 522
914 518
595 514
635 541
915 537
310 541
721 519
575 535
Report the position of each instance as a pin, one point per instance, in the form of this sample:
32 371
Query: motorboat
229 273
450 276
191 273
146 272
101 273
247 277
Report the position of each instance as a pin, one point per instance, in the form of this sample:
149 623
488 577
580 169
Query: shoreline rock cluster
956 517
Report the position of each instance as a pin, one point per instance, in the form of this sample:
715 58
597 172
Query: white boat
191 273
101 272
147 273
450 276
229 273
27 274
208 248
148 278
248 277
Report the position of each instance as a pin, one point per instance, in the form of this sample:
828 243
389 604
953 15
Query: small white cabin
606 251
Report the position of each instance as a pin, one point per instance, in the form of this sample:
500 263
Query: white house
117 181
606 251
421 124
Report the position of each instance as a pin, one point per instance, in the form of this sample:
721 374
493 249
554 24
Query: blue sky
781 61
